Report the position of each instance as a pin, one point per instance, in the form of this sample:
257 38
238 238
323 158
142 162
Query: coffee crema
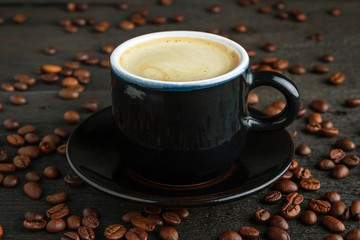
179 59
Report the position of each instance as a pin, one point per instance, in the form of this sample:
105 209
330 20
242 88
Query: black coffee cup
186 133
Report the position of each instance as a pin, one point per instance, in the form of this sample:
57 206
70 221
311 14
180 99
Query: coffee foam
179 59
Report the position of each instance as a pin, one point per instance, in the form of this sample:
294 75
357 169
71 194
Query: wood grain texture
21 51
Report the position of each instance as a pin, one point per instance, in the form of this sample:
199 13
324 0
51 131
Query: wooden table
21 51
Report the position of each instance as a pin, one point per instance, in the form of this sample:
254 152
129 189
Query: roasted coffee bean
275 233
301 173
262 215
333 224
61 150
295 198
102 27
19 18
329 132
92 60
328 58
15 140
240 28
351 161
69 82
253 98
282 15
171 218
33 215
269 47
32 151
278 221
303 150
288 175
152 209
86 233
182 212
337 209
115 232
317 37
32 177
216 8
340 171
68 93
319 206
308 217
127 216
293 165
268 60
53 69
73 181
58 211
286 186
79 21
337 155
290 210
71 29
249 232
271 110
347 214
17 99
26 129
105 63
138 19
52 138
353 235
148 225
25 79
251 53
345 144
34 225
166 2
281 64
319 106
71 117
90 105
11 124
310 184
50 50
82 6
332 197
355 210
126 25
90 221
77 88
19 86
178 18
57 198
293 134
156 218
272 197
314 118
7 168
298 69
108 48
81 57
61 132
136 233
51 172
50 78
327 124
158 20
227 235
337 78
70 236
4 156
333 237
32 138
7 87
10 181
320 69
47 147
265 9
55 225
353 102
33 190
73 222
313 127
90 211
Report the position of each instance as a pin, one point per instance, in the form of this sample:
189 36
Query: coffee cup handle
286 87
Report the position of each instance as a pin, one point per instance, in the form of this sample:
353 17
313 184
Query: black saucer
92 155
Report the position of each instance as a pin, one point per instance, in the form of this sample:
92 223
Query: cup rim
178 86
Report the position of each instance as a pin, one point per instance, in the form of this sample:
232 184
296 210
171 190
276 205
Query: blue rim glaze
178 86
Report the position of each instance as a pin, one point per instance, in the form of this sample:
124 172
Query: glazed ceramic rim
156 84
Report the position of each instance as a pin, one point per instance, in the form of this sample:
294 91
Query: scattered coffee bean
335 11
57 198
298 69
50 50
295 198
171 218
156 218
69 82
90 211
227 235
317 37
320 69
182 212
30 81
61 132
301 173
7 87
327 124
90 221
68 93
32 177
71 117
92 60
350 161
10 181
123 5
21 161
19 86
58 211
4 156
313 128
7 168
26 129
19 18
329 132
86 233
61 150
55 225
269 47
240 28
272 197
127 216
319 106
148 225
275 233
152 209
101 27
271 110
33 190
73 222
47 147
346 215
353 235
337 78
90 105
178 18
136 233
52 69
290 210
278 221
262 215
293 134
308 217
333 237
345 144
32 138
11 124
251 53
33 215
15 140
303 150
73 181
253 98
265 9
353 102
286 186
333 224
17 99
319 206
314 118
249 232
166 2
340 171
328 58
337 155
70 236
355 210
115 232
105 63
51 172
216 8
337 209
294 165
34 225
50 78
332 197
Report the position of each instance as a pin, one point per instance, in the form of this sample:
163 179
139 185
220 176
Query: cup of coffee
179 104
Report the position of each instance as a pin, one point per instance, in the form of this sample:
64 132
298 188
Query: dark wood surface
21 51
